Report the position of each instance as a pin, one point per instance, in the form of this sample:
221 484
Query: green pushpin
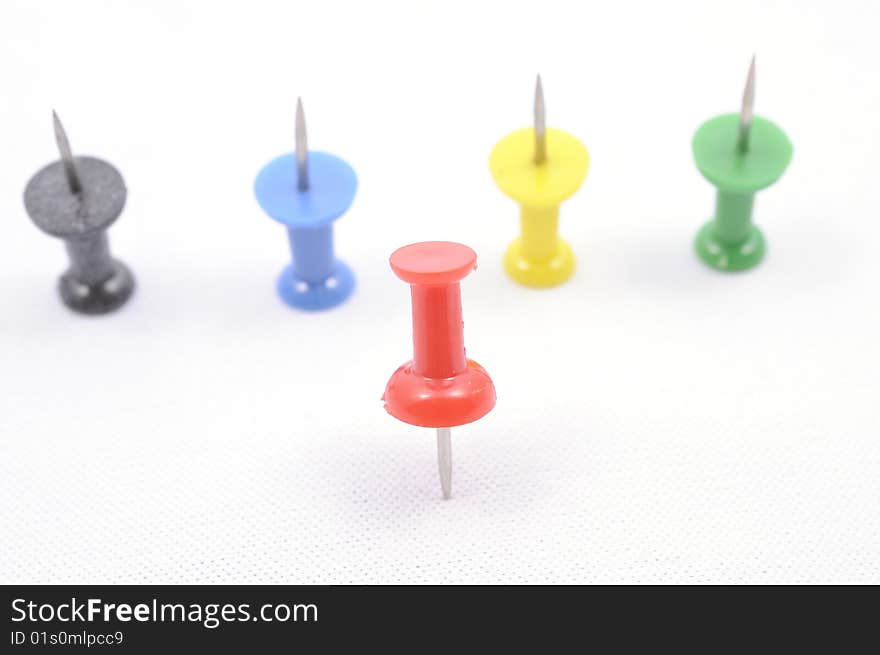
739 155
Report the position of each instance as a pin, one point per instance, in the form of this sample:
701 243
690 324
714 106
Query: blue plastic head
332 186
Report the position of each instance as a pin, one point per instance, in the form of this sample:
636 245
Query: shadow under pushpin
77 199
307 191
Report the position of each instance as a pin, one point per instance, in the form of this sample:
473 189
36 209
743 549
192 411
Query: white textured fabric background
656 421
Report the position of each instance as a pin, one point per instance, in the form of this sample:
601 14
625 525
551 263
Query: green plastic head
720 162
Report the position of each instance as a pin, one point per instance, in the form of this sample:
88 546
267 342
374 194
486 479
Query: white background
656 421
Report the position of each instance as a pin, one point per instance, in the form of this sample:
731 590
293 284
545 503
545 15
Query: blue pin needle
307 191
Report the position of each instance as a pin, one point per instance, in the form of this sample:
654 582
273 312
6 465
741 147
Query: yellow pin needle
539 168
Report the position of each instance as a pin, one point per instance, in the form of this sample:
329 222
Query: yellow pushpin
539 168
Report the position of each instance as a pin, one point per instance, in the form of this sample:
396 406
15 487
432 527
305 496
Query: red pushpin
440 388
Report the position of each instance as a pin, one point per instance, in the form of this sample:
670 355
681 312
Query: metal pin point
76 199
540 124
66 154
748 110
302 149
444 460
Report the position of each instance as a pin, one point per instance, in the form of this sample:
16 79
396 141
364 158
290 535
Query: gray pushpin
76 199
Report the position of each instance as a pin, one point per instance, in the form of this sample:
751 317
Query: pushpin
76 199
539 168
739 155
307 191
440 387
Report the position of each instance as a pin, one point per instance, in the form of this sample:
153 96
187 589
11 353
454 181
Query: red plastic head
433 262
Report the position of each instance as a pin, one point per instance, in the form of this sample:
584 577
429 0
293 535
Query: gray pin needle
747 111
76 199
302 149
444 460
66 155
540 124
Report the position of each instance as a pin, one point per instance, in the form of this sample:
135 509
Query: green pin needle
739 154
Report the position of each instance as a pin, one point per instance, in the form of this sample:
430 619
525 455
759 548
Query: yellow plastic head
545 185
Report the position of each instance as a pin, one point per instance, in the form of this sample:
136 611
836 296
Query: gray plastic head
56 210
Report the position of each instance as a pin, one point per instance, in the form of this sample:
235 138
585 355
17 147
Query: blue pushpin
307 191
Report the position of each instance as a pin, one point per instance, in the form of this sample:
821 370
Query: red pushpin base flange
444 389
429 403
